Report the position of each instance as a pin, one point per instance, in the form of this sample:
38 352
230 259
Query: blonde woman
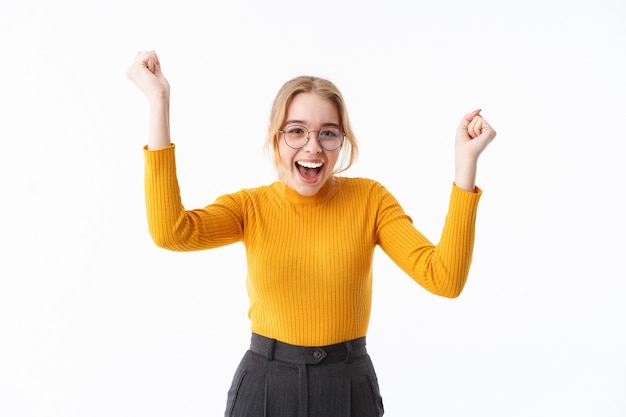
309 239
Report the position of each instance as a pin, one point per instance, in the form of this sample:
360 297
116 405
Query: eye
329 133
295 130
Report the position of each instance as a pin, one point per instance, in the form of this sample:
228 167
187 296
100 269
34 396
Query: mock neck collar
325 193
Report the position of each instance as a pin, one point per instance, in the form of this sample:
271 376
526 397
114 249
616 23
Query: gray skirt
275 379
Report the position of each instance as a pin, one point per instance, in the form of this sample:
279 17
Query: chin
307 191
304 189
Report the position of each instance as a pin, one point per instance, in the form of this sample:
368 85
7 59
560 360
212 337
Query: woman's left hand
473 135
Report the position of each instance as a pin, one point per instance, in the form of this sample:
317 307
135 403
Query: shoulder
361 185
366 191
370 193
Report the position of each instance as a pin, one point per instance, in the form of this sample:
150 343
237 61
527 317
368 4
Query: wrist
159 99
159 124
465 174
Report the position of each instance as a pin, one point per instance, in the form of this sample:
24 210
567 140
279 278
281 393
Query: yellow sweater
310 258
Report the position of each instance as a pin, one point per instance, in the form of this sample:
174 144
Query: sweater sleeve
443 268
170 225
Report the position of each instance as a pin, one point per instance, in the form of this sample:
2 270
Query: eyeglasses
329 138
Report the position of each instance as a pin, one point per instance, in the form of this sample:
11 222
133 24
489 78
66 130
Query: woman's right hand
145 72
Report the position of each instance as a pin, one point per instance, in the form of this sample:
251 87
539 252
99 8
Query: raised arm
472 137
145 72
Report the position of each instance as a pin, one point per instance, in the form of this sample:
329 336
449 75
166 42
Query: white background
97 321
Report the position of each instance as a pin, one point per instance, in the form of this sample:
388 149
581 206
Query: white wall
97 321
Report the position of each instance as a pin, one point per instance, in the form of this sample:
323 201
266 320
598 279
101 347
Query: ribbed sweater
309 258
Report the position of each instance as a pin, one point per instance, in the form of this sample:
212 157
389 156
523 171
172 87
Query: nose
313 145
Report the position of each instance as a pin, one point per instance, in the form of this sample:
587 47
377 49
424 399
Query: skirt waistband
308 355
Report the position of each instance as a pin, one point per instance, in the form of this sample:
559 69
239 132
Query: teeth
310 164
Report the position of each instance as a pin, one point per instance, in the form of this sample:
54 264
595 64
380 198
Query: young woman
309 240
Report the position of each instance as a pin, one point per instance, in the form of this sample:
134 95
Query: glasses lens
330 138
296 136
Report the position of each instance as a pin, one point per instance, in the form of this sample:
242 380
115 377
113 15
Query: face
307 169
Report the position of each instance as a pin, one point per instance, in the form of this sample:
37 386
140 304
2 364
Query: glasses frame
308 136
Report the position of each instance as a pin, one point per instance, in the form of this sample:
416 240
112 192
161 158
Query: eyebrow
302 122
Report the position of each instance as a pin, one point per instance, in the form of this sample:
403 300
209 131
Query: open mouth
309 170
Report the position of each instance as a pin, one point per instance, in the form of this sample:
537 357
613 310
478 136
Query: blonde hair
325 89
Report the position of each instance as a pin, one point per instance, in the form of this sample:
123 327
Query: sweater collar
325 193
